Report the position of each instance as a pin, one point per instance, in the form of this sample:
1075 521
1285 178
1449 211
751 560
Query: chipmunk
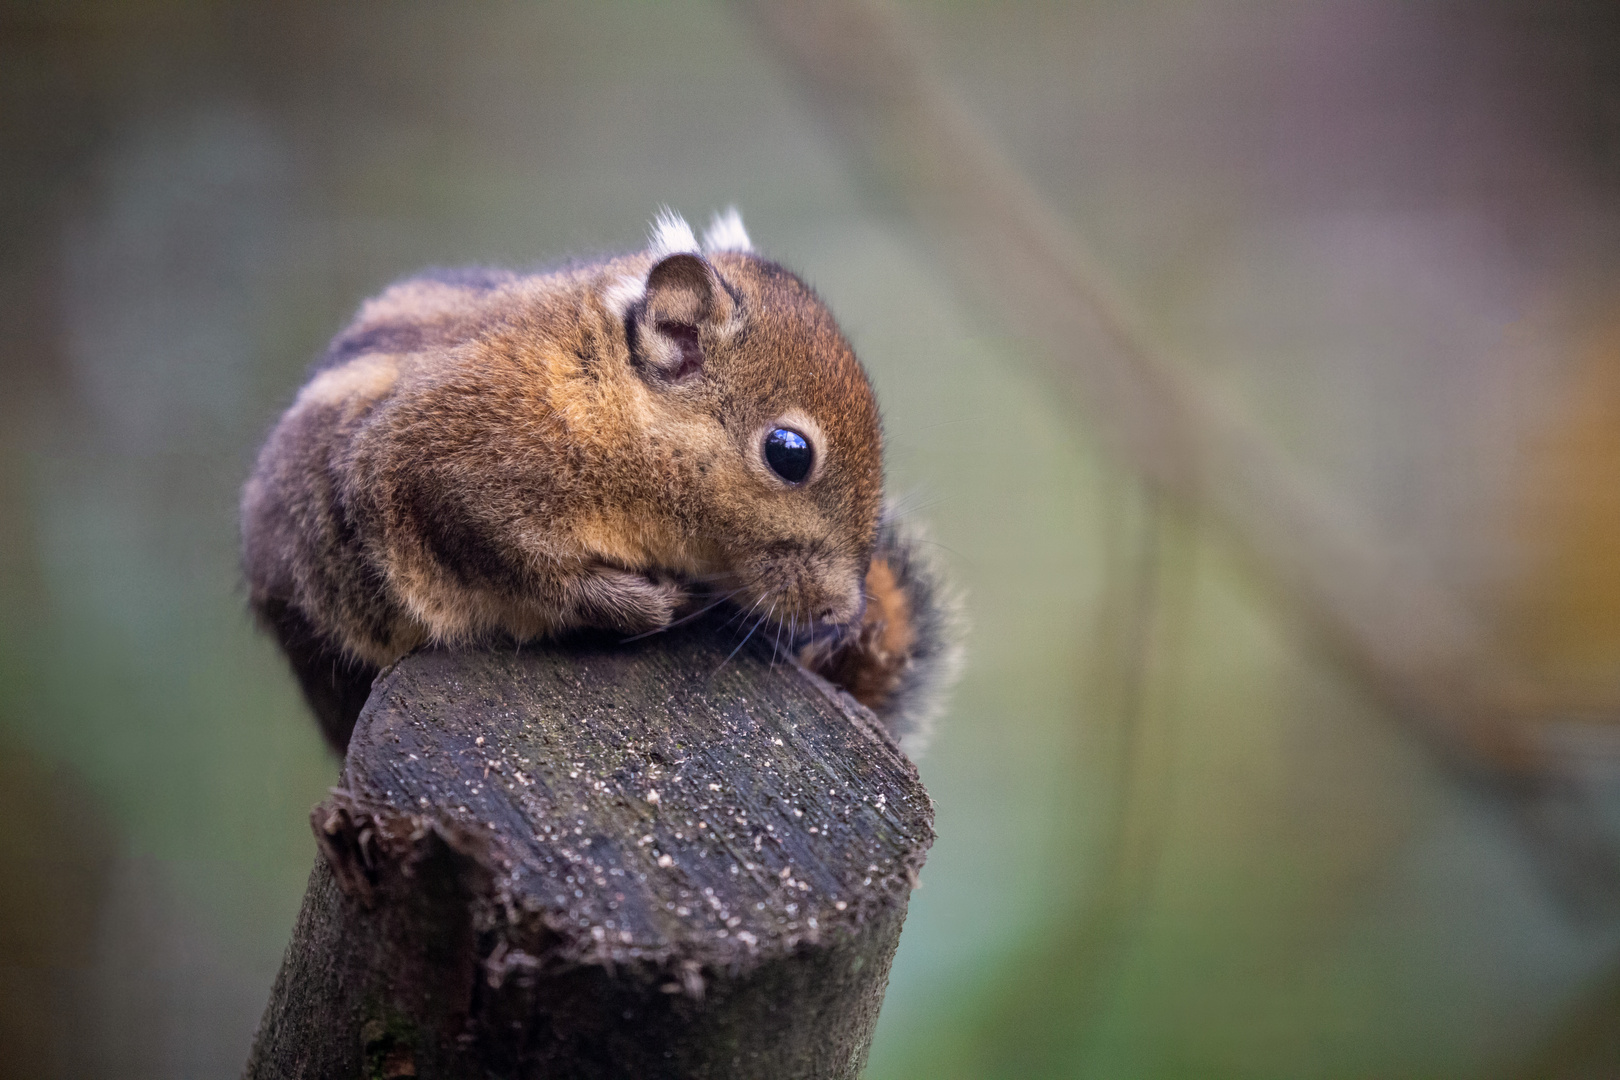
487 454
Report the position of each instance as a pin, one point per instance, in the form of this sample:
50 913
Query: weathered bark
599 860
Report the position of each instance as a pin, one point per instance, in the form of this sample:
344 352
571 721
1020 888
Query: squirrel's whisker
742 616
757 624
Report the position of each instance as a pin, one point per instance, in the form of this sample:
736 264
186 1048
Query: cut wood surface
602 860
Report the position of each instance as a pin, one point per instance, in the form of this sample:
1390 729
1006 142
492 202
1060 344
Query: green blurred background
1176 837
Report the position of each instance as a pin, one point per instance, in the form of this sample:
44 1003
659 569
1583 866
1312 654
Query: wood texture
602 860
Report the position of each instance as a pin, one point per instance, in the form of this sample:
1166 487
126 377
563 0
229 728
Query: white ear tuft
622 294
726 233
671 234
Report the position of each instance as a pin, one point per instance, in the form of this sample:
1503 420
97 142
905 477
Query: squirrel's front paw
614 599
903 655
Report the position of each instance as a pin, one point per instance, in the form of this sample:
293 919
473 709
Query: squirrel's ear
683 296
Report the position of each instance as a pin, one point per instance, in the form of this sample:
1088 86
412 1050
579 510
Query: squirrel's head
763 423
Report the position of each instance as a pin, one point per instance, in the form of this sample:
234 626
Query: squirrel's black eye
788 454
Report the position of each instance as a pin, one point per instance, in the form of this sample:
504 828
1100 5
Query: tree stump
601 860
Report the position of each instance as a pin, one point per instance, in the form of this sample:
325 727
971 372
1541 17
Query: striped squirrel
485 454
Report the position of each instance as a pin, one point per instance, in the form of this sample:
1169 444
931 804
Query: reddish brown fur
522 455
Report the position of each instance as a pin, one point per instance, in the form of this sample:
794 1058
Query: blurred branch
1396 627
